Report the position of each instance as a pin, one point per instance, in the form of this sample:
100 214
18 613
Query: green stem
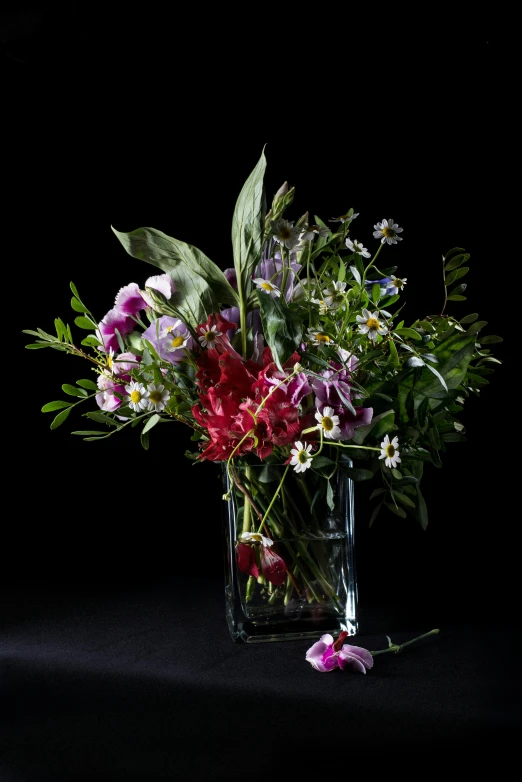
273 498
396 648
372 262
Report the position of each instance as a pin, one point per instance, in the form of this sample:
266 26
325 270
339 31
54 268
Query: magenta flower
327 654
114 320
129 299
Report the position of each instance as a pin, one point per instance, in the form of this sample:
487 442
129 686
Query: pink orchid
327 654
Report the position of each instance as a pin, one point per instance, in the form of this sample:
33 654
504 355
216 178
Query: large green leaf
282 327
248 225
201 286
454 355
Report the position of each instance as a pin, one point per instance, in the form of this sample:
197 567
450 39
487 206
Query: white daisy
313 230
390 451
329 423
356 247
267 287
285 233
370 324
334 294
208 336
387 232
323 306
395 285
176 339
319 337
255 537
158 397
138 396
301 459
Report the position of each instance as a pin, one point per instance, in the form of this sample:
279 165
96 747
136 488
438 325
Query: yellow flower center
373 323
169 329
398 283
285 233
302 457
267 286
210 336
155 396
390 450
389 232
177 341
256 537
109 362
327 423
135 396
322 338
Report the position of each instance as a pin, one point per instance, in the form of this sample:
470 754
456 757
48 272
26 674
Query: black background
115 124
143 122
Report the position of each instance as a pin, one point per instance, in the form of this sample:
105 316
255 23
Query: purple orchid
327 654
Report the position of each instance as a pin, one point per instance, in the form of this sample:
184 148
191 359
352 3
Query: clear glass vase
307 521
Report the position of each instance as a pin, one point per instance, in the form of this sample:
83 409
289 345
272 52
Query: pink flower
327 654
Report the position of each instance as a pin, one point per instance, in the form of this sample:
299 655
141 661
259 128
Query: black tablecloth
146 684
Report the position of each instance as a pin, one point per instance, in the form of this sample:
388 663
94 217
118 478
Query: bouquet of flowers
294 369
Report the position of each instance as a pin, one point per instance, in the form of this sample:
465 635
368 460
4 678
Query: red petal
273 566
246 560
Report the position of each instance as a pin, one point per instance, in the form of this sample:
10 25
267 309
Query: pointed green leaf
456 275
456 261
51 406
85 323
411 333
490 339
152 421
469 318
200 283
375 513
248 225
398 511
73 391
90 384
60 418
77 305
101 418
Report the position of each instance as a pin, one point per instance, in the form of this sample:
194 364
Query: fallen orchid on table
327 654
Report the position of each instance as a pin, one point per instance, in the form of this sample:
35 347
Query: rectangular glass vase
309 520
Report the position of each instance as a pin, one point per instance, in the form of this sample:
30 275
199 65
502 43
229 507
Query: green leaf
85 323
422 510
396 474
85 432
90 384
51 406
38 345
437 374
403 498
73 391
456 275
282 327
248 225
91 342
411 333
375 513
398 511
152 421
457 298
477 326
490 339
456 261
60 418
330 496
469 318
101 418
376 292
200 284
77 305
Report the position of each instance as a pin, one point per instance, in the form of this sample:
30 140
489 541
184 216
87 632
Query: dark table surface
145 683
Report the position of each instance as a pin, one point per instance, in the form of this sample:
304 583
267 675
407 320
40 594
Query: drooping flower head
356 247
326 655
301 457
285 233
163 283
